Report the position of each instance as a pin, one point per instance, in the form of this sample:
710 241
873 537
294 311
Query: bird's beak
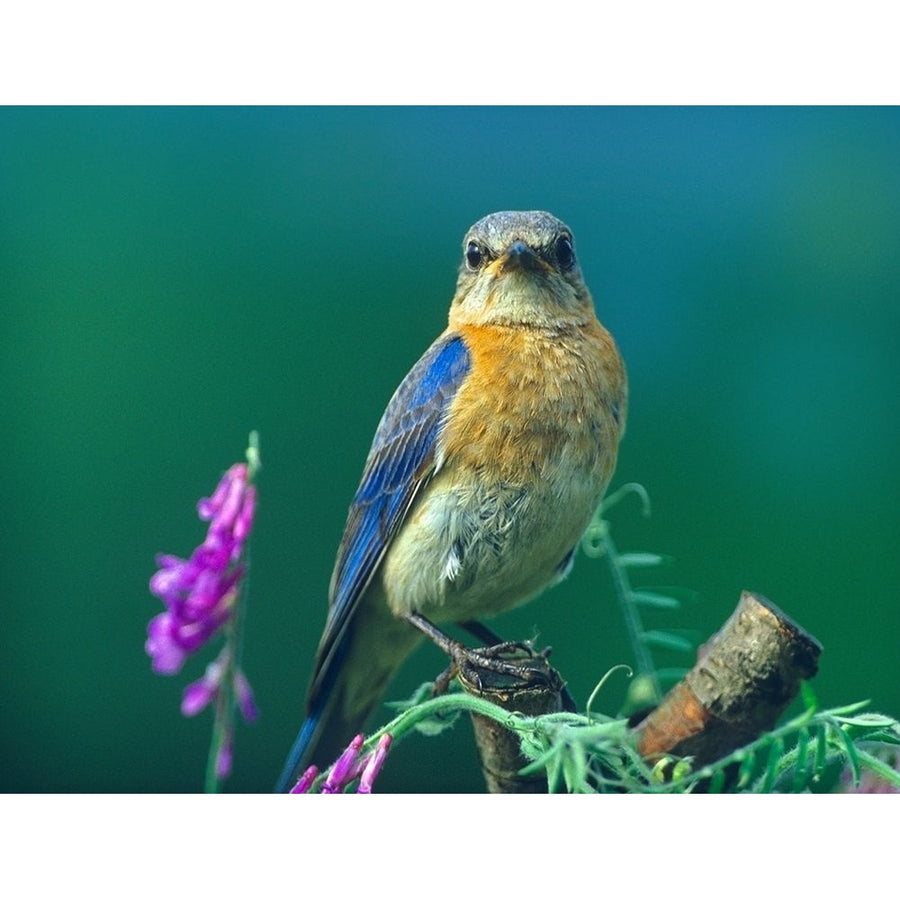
520 256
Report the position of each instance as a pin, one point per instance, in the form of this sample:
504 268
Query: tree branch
745 677
537 689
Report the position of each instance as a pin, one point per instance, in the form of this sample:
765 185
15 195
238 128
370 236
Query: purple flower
349 766
345 769
225 755
306 780
202 597
200 592
199 694
372 764
245 699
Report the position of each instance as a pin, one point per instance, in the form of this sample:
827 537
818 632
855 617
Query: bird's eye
474 256
565 253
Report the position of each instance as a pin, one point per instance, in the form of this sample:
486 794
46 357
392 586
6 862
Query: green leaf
717 782
821 762
671 674
435 725
667 641
419 695
801 776
775 753
851 752
850 708
575 769
660 771
867 720
654 600
676 592
555 769
682 768
747 770
541 760
641 560
809 696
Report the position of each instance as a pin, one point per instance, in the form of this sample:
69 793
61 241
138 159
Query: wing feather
401 461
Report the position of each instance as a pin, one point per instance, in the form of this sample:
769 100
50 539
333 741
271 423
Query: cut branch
535 690
745 677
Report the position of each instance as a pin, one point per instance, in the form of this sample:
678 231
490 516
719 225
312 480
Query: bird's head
520 268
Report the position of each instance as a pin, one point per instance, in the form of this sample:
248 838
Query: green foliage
817 751
646 689
430 725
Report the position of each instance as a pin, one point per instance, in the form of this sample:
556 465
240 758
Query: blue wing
400 463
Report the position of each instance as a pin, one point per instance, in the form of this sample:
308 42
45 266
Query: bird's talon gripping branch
504 660
513 649
508 658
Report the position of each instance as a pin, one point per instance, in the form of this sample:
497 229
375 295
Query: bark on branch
540 690
745 677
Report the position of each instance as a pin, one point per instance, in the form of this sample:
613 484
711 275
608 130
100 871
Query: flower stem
223 725
224 715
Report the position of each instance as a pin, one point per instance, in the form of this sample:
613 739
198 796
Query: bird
485 470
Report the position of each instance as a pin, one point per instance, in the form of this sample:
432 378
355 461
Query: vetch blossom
225 754
306 780
200 592
372 765
202 597
199 694
245 700
349 766
345 769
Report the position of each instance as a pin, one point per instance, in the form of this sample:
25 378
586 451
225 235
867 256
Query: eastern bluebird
486 468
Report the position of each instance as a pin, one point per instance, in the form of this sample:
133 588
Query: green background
172 278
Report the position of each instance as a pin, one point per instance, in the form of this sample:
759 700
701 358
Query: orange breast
535 399
529 446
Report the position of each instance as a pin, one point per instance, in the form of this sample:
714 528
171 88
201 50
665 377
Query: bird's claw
511 659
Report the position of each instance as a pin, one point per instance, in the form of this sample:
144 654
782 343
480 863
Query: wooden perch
745 677
540 690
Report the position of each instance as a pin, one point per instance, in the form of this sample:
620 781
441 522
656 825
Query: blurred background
171 278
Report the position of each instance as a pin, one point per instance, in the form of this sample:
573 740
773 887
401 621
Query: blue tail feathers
289 774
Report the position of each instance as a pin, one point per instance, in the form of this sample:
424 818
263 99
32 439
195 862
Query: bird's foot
493 667
510 662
